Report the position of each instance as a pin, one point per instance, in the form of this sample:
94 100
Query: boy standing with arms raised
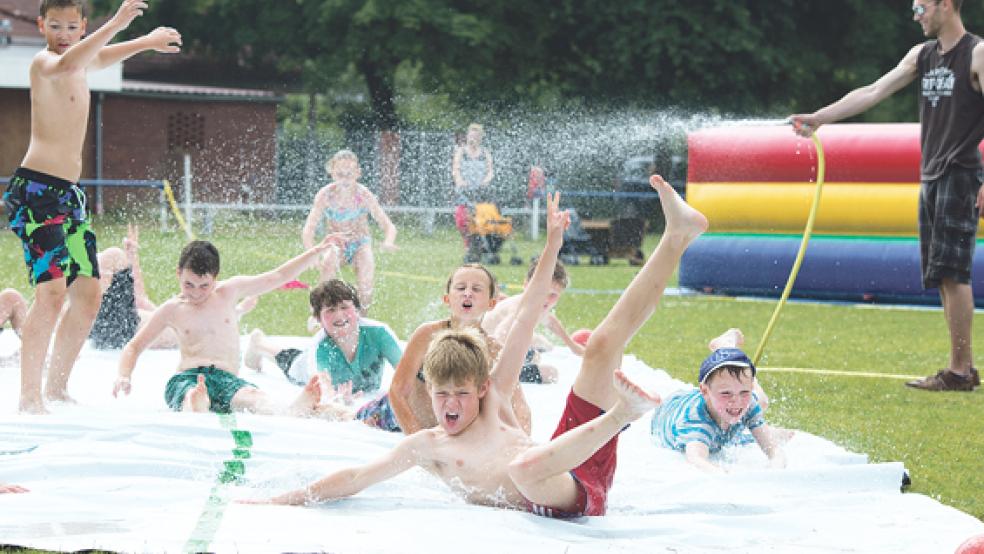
478 447
46 208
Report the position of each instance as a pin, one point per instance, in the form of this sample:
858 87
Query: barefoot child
204 319
46 208
498 322
347 348
344 205
470 293
479 449
699 422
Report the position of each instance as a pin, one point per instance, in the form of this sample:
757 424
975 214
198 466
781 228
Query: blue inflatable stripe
834 268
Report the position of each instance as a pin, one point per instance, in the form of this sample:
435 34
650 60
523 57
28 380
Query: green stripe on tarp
218 498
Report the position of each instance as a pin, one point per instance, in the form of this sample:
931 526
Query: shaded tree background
534 71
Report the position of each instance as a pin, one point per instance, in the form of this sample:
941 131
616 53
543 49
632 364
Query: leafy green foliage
731 56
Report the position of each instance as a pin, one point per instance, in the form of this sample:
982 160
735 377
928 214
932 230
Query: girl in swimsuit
345 206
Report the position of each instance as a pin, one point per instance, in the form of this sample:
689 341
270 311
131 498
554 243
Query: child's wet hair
493 285
457 356
477 127
559 277
200 257
344 154
739 372
47 5
331 293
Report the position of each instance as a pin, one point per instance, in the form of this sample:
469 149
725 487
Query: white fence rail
427 214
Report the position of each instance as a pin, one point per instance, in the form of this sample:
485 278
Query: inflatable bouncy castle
756 187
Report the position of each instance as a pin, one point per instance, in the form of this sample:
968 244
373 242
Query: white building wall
15 63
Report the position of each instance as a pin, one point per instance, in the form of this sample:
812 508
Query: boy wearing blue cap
699 422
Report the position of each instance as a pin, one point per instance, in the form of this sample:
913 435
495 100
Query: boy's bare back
497 322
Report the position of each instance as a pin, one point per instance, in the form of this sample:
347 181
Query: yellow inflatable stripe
845 208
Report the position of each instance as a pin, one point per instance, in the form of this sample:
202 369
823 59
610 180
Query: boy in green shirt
349 349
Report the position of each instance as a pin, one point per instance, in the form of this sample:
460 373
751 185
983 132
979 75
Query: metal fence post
187 189
535 219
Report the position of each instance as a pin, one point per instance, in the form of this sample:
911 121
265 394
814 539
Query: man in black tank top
950 72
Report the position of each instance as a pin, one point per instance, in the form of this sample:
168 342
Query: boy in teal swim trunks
46 208
344 206
348 348
479 449
204 319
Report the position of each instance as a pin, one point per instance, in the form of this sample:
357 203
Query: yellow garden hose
177 212
821 168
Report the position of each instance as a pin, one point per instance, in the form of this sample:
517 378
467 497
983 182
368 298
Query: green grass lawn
939 436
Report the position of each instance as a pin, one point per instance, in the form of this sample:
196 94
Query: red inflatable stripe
855 152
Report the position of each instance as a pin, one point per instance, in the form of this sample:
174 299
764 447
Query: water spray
807 232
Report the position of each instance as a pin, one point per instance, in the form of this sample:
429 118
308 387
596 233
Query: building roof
149 88
22 17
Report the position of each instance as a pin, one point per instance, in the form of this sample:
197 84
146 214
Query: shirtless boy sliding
46 208
204 319
479 449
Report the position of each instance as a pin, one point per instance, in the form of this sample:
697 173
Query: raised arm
349 481
383 220
405 378
83 54
156 323
505 375
255 285
161 39
557 328
861 99
314 216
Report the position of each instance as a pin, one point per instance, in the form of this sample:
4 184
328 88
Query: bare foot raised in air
196 399
307 402
732 338
252 358
683 223
633 401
